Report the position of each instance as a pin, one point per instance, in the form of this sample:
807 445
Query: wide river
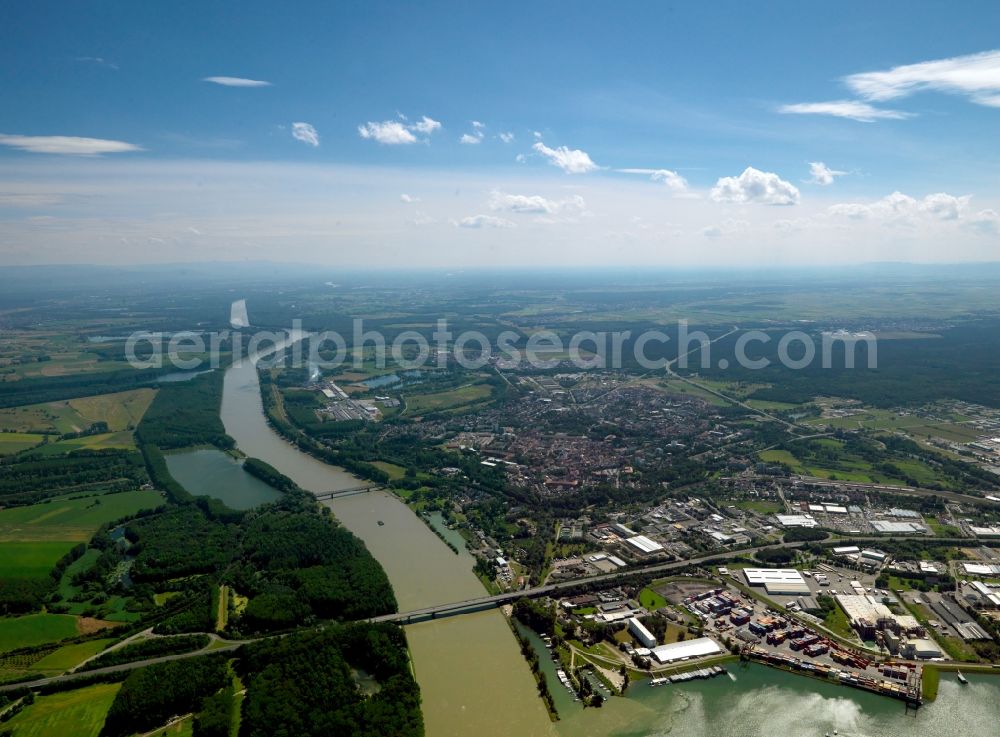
475 683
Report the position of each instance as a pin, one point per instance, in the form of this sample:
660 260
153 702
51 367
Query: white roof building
796 520
777 580
644 545
675 651
643 635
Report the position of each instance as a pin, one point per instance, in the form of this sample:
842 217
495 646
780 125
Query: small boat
962 679
381 523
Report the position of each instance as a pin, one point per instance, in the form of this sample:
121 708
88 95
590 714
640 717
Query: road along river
473 680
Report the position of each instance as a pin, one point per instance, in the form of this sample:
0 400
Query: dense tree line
304 685
150 696
53 388
31 478
186 413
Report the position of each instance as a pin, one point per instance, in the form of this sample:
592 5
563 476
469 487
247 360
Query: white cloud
901 209
571 161
477 125
820 173
726 227
986 222
483 221
394 133
469 139
853 109
752 185
426 125
408 198
14 199
671 179
945 206
535 204
389 132
67 145
306 133
97 60
507 137
974 75
236 82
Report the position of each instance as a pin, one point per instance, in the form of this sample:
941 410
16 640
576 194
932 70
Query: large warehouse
779 581
686 649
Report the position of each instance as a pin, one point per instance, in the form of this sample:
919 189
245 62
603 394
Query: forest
305 685
186 413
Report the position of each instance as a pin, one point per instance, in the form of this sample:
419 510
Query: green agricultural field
105 441
70 656
760 506
910 424
31 559
78 713
395 472
15 442
120 411
35 629
67 521
470 394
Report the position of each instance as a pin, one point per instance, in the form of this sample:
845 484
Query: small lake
210 472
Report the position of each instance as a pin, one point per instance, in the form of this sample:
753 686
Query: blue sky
518 132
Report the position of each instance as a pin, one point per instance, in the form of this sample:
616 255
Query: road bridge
353 491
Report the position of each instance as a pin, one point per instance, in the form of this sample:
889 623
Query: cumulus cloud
752 185
483 221
852 109
507 137
902 209
408 198
236 82
975 75
469 139
306 133
396 133
535 204
571 161
67 145
426 125
388 132
820 173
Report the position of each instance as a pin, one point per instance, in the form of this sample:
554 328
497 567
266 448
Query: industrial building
888 527
796 520
644 545
777 581
675 651
921 649
639 631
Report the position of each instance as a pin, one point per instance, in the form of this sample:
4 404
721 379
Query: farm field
35 629
395 472
119 410
15 442
67 521
70 656
79 713
883 419
470 394
31 559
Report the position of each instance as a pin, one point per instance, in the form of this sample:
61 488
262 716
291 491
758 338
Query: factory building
777 581
644 545
677 651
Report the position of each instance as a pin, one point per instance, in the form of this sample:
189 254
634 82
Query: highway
471 605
